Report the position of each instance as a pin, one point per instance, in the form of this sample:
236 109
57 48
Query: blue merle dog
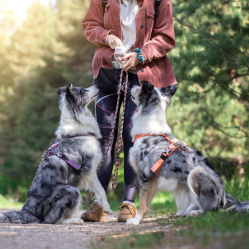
187 175
70 165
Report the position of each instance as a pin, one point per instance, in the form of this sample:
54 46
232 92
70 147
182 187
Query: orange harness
169 150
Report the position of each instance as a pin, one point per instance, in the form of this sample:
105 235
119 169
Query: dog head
148 96
75 99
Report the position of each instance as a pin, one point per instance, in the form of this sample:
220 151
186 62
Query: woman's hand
131 60
113 41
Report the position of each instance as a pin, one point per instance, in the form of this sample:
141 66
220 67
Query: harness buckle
168 150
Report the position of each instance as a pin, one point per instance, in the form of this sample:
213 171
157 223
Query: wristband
139 55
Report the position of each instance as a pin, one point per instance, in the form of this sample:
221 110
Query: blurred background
43 47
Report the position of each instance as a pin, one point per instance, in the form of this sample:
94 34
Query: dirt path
39 236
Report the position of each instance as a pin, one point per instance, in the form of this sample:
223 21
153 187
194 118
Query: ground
214 230
41 236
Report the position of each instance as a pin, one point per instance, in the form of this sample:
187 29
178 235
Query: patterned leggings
104 112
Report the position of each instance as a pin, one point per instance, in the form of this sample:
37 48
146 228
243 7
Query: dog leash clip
184 152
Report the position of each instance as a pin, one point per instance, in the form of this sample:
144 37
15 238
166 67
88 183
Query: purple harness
52 151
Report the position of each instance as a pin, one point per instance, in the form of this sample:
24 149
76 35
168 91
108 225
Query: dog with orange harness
165 163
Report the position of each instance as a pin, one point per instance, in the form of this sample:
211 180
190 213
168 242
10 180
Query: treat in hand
113 41
119 53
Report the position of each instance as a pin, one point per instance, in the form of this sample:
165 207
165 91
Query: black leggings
104 112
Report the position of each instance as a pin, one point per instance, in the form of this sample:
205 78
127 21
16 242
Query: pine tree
211 63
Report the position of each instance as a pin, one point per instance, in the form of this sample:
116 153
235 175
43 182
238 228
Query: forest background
48 49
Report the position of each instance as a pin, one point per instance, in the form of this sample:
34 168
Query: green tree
48 51
211 63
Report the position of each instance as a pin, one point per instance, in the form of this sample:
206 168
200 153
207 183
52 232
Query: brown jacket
155 37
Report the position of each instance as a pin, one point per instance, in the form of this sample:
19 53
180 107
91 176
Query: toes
132 222
193 213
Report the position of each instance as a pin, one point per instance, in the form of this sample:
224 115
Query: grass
220 229
9 203
135 240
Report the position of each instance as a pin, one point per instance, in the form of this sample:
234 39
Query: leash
115 173
168 151
52 151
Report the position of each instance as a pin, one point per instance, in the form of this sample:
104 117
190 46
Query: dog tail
233 205
18 217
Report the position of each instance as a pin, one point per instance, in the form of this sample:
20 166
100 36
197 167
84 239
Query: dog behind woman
68 165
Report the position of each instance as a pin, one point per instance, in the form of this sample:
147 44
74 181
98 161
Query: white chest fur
169 184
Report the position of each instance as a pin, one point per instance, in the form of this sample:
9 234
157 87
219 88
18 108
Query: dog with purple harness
68 166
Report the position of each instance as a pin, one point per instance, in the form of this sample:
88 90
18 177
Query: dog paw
107 209
73 221
180 213
132 222
3 218
194 213
135 221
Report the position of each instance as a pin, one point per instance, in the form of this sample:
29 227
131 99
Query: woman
133 25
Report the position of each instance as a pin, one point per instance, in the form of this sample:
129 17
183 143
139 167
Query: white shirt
128 11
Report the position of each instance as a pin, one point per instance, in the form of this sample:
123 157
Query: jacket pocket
151 13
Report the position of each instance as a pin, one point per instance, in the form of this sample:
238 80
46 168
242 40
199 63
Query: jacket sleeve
163 35
93 24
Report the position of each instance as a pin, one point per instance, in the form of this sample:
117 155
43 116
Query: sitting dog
162 164
68 165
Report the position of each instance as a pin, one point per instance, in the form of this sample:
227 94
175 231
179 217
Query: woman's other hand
113 41
131 60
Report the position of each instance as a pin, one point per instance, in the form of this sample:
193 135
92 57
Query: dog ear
170 90
136 90
70 87
146 87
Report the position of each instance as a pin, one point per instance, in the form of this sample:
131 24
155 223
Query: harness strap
169 150
71 163
159 164
153 134
52 151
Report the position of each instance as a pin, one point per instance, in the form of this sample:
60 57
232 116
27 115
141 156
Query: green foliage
211 63
238 186
46 52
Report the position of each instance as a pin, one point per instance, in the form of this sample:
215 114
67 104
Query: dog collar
78 135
